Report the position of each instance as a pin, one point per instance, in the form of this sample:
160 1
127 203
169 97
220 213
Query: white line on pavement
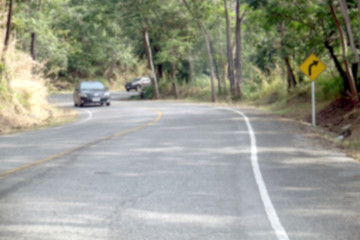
90 115
268 205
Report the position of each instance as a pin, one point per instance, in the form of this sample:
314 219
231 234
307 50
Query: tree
110 37
140 6
345 13
229 51
238 66
208 48
174 45
349 74
151 64
8 27
293 30
6 45
33 37
135 17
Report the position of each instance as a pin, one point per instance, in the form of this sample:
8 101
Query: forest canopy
231 45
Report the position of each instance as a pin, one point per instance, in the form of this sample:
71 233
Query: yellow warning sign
312 67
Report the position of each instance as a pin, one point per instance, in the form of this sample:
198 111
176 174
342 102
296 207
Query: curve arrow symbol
315 63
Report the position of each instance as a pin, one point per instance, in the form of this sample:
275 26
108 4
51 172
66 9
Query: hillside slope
23 92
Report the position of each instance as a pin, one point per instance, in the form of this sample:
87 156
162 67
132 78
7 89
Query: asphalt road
159 170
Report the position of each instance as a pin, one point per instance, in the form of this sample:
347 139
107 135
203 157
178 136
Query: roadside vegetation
23 103
233 52
23 92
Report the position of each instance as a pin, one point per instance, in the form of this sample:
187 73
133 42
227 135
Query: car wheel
108 104
76 105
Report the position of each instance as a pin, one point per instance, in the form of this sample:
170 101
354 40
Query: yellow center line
29 165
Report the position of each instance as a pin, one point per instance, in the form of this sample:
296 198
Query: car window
92 85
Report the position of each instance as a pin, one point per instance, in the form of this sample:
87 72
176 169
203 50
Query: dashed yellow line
39 162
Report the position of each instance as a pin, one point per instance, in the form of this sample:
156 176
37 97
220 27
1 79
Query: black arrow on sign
315 63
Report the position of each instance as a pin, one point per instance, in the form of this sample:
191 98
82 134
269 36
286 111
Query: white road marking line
90 116
268 205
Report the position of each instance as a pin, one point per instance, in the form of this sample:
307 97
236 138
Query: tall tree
33 37
229 51
140 6
238 60
216 65
6 45
358 6
208 48
345 13
349 74
8 27
151 64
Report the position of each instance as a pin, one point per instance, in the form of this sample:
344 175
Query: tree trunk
160 71
291 79
354 70
223 77
283 69
291 76
6 45
216 67
191 70
338 65
32 48
159 67
8 27
33 37
238 64
210 60
175 89
151 64
345 13
359 23
229 52
174 81
208 51
354 94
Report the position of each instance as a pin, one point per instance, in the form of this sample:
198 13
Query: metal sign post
313 103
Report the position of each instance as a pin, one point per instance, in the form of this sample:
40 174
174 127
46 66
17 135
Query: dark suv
138 84
91 92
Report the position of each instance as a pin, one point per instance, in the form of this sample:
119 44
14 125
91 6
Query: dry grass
23 92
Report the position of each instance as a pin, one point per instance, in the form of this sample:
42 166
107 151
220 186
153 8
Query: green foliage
148 92
330 87
79 38
267 86
104 39
51 43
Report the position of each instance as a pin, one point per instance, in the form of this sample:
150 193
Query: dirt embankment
341 117
340 123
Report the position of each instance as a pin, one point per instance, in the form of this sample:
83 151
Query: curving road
159 170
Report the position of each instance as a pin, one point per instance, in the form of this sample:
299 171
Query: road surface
158 170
